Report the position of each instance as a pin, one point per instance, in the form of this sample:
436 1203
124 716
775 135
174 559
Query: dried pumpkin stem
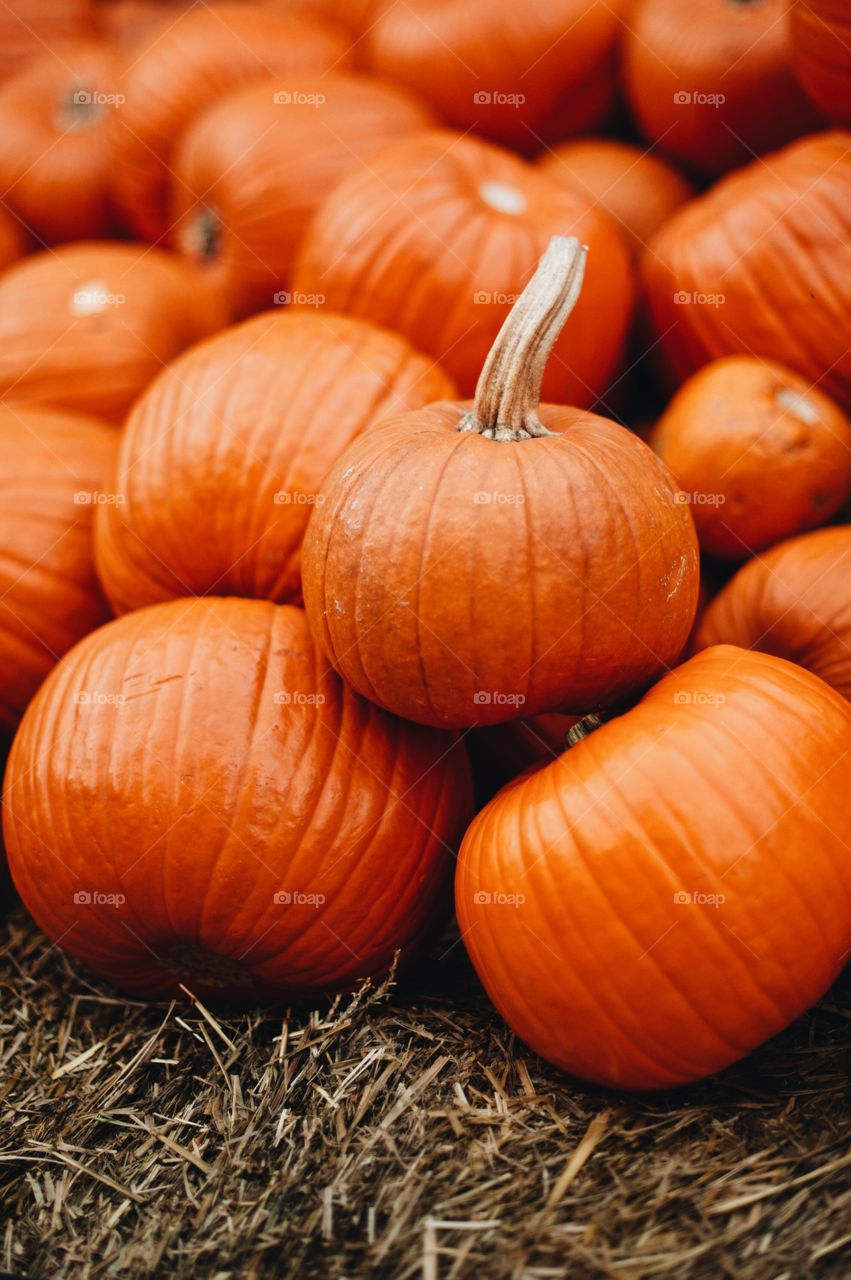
582 729
508 394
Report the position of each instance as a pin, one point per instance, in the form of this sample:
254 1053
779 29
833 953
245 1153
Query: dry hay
401 1134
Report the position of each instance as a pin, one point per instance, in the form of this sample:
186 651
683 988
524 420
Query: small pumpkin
232 437
714 88
509 75
54 144
757 451
820 42
470 565
240 205
89 324
260 832
437 237
29 30
54 470
676 887
636 188
186 64
752 266
793 602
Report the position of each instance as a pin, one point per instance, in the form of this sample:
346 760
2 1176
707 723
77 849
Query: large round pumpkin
194 800
474 565
188 63
821 54
794 601
88 325
240 203
437 237
54 142
29 29
675 888
232 442
54 472
756 266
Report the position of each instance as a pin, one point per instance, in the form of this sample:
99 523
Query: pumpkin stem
582 729
508 393
202 235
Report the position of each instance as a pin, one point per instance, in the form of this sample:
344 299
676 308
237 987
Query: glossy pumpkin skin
763 251
587 893
241 206
821 54
54 469
438 236
714 87
793 602
54 145
89 324
234 428
186 65
510 75
28 30
758 452
636 188
271 835
458 580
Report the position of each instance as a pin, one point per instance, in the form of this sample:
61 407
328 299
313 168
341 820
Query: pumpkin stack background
425 637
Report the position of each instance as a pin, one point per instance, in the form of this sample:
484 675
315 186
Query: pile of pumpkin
315 316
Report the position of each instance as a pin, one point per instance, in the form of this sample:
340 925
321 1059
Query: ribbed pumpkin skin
213 795
28 29
49 593
379 247
235 429
458 580
53 152
235 164
67 338
794 602
821 54
600 968
187 64
774 241
510 73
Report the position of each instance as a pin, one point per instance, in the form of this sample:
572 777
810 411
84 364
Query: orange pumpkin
54 469
437 237
187 64
757 451
260 833
88 325
821 54
636 942
124 23
240 206
473 565
756 266
793 602
28 30
638 190
54 144
234 427
715 86
508 74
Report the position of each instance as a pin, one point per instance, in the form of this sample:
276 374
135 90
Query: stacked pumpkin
314 390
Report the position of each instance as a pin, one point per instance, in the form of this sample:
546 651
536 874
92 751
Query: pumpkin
758 452
512 75
500 752
53 147
28 30
637 940
261 833
124 23
240 206
437 237
233 435
54 469
188 63
357 16
755 267
636 188
88 325
718 88
793 602
469 565
821 54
